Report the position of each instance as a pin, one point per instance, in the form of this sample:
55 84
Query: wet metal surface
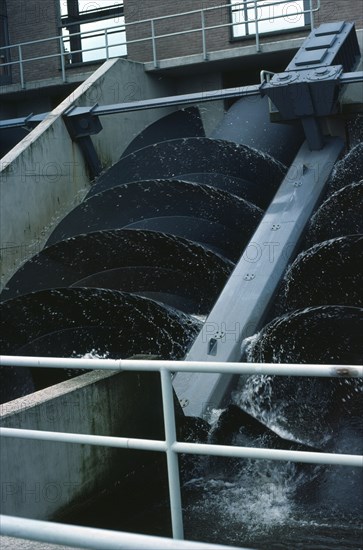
192 211
183 156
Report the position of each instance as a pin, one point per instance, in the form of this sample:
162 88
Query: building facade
228 23
59 38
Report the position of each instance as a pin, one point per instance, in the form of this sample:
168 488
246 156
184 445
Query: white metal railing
119 48
94 539
171 446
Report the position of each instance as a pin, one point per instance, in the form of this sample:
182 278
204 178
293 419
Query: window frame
252 36
74 19
5 72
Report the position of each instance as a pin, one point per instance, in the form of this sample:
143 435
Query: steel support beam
170 101
186 99
351 78
242 306
25 121
159 103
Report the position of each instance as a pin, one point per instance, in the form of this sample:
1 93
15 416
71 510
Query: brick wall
217 39
37 19
136 10
341 10
30 20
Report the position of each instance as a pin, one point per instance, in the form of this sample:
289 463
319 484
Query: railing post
204 38
265 76
21 68
258 49
61 47
171 456
153 39
311 14
106 44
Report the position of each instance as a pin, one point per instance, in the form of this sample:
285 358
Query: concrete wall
125 81
45 176
217 39
211 112
42 480
41 179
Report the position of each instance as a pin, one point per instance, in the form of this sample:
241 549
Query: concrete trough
49 479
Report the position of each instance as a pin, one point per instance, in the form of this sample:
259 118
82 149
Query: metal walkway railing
118 47
94 539
171 446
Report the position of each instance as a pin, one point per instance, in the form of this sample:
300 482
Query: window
5 70
271 16
90 19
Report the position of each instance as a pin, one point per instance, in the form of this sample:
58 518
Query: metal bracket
213 342
84 124
80 128
306 95
310 87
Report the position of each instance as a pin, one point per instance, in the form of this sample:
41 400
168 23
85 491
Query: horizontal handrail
278 369
66 39
94 539
257 453
204 449
66 36
202 28
86 439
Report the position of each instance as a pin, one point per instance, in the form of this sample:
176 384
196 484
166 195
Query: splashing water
241 499
272 504
256 500
93 354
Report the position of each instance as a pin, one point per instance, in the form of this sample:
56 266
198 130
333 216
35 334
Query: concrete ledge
9 543
72 78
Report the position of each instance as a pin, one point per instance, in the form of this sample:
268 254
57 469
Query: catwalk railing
171 447
112 41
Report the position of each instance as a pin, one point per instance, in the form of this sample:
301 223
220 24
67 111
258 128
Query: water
268 504
253 503
265 505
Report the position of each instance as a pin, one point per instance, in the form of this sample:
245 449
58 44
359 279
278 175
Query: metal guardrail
95 539
171 446
65 57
